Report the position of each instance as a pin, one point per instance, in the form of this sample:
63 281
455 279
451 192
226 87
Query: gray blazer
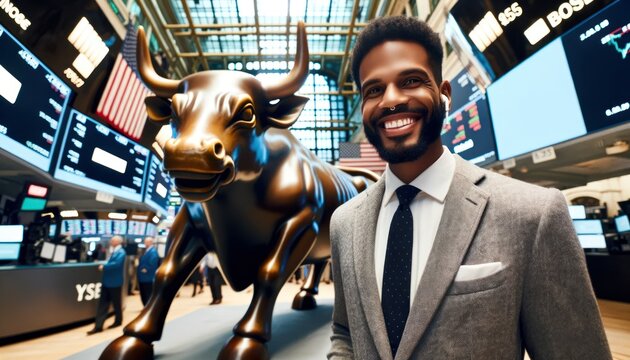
541 300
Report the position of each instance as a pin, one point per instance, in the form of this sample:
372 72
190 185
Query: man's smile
399 124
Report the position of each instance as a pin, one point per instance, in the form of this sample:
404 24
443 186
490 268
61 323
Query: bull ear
158 108
286 112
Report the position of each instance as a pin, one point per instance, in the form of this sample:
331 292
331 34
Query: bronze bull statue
252 193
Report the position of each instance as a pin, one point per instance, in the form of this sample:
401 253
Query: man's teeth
398 123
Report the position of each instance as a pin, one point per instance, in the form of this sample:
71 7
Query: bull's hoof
127 347
243 348
304 300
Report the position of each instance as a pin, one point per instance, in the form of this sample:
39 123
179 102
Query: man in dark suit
147 267
113 277
441 259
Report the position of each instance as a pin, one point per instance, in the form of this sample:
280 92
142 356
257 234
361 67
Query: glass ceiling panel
270 12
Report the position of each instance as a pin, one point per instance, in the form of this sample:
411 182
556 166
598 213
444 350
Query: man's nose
393 97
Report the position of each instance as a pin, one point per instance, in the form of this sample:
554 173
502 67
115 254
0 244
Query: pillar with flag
361 155
122 102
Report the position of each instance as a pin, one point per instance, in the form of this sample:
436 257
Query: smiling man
441 259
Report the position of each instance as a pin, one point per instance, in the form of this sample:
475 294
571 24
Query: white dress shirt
426 208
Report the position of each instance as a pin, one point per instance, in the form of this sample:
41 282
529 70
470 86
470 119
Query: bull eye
245 117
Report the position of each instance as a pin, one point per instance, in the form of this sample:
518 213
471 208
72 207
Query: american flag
361 155
122 103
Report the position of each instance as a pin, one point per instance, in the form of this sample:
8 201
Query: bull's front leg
185 253
294 240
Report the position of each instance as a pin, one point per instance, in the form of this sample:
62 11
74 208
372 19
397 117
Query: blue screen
622 223
9 251
33 101
584 227
535 105
94 156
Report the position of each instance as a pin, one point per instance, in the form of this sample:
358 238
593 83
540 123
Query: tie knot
406 193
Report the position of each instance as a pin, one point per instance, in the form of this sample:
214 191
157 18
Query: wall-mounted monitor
11 237
159 186
119 227
598 53
577 211
467 131
503 33
622 223
73 227
136 228
588 227
592 241
96 157
535 105
33 101
151 230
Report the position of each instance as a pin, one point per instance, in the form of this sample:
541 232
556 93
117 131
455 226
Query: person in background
147 267
211 264
113 277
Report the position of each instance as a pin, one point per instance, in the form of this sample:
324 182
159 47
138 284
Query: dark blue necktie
397 272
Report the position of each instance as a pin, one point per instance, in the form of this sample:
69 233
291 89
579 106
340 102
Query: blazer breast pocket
477 278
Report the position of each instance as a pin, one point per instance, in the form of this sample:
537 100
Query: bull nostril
218 149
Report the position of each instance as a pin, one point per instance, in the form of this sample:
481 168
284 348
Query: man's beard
431 129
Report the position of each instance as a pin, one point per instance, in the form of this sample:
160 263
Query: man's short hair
395 28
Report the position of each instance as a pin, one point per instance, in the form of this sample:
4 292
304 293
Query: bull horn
291 83
160 86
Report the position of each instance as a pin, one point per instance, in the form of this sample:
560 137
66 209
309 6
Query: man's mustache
421 111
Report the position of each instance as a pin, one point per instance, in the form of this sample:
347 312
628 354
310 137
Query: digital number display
467 130
32 102
598 52
137 228
71 226
96 157
506 32
159 186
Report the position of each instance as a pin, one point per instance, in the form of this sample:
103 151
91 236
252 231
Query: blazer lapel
363 252
463 208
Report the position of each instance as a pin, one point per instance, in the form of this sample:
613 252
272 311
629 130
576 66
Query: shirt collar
434 181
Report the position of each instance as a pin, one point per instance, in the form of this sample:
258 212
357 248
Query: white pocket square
479 271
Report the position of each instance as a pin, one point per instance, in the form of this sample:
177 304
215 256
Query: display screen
96 157
151 230
112 227
585 227
159 186
32 204
71 226
33 101
467 130
577 211
136 228
622 223
592 241
598 52
10 240
506 32
535 105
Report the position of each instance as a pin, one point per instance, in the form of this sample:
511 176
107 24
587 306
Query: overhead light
617 147
156 219
49 214
139 217
69 213
37 191
117 216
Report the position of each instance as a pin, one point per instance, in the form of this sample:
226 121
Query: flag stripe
122 102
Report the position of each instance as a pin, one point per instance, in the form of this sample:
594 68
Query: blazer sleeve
341 343
559 316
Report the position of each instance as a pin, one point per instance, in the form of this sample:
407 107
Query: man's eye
373 91
411 82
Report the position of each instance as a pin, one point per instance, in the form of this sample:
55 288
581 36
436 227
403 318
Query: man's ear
158 108
286 112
